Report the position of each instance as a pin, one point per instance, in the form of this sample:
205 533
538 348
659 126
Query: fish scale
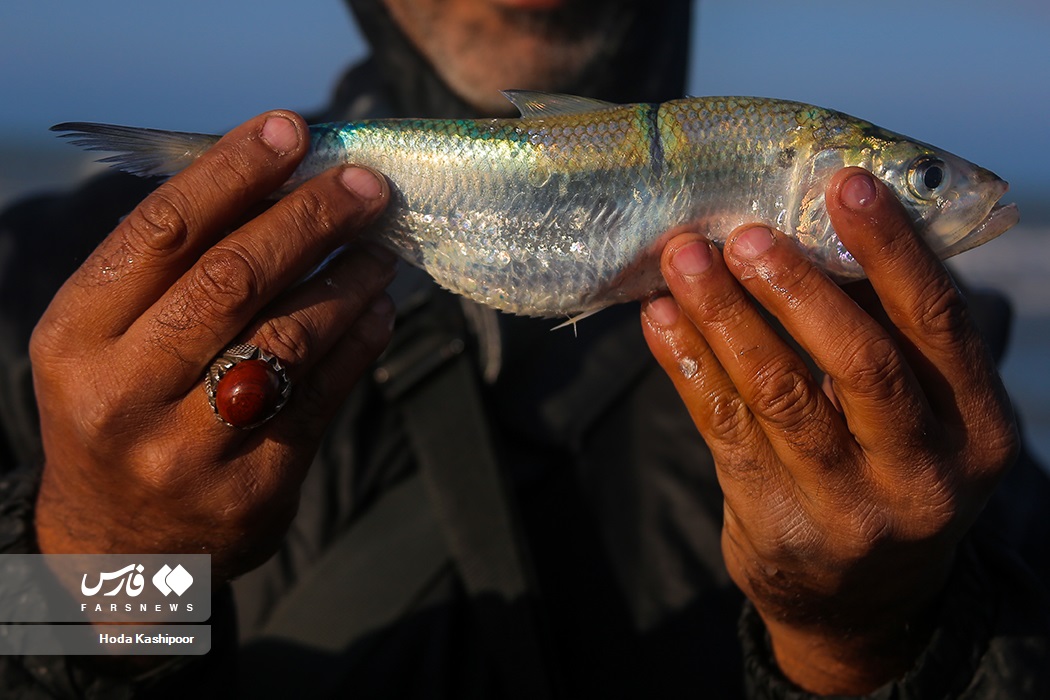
505 212
565 210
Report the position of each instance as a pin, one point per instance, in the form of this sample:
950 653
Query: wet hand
136 461
845 496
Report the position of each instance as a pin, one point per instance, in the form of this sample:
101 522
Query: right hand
135 459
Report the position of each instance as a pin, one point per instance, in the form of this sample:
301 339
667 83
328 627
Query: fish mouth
1000 219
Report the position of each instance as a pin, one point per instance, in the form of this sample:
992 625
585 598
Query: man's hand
844 503
135 459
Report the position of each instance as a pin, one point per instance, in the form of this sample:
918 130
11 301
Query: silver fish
564 211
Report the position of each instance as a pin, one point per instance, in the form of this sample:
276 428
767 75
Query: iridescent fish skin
565 210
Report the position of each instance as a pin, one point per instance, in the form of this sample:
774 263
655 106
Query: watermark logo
115 588
130 574
130 580
168 580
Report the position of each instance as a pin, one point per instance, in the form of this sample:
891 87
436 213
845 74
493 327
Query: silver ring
249 396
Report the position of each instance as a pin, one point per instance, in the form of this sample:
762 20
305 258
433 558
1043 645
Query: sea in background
1017 264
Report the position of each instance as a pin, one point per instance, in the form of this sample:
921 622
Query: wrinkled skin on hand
135 459
844 500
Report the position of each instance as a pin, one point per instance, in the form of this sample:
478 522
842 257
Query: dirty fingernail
692 259
364 183
280 134
858 192
662 309
753 242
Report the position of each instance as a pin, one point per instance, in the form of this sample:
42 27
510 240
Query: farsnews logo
130 580
168 580
132 587
130 574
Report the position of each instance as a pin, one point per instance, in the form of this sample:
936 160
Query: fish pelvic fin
139 151
534 103
574 320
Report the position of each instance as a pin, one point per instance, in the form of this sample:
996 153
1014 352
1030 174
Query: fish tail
138 151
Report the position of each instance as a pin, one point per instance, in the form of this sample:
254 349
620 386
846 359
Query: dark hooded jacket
613 496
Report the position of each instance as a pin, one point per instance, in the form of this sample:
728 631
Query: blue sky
971 76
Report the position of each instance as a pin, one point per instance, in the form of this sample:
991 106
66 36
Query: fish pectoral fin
534 103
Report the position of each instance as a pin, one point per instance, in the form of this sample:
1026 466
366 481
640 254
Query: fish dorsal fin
533 103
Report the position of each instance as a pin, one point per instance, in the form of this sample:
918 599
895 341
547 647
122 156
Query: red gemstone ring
246 387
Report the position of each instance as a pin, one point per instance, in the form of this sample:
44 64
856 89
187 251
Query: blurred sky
972 76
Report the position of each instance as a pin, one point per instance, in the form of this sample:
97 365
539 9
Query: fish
564 210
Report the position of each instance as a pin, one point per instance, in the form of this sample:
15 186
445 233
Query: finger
677 329
325 389
217 298
801 425
880 398
319 394
276 464
747 468
304 325
302 329
928 311
159 240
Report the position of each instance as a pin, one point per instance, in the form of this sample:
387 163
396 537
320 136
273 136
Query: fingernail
858 192
280 134
362 182
662 309
753 242
692 258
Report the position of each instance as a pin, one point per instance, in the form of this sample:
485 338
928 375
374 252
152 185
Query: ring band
246 387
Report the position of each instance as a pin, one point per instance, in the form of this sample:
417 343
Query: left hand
843 506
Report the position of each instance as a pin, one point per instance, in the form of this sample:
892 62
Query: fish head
953 203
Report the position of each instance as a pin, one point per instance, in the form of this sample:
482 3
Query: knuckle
943 312
100 421
794 277
1005 446
998 444
160 222
242 507
729 417
784 397
724 306
230 170
307 206
46 341
873 368
867 528
222 283
289 338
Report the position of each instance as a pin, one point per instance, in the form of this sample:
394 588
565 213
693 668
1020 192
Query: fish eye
928 177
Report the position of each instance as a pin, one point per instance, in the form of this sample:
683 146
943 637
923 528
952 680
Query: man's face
480 47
